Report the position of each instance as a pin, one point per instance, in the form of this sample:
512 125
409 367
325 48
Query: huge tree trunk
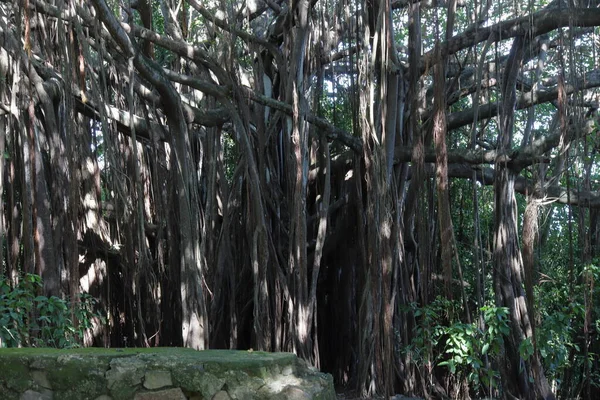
517 370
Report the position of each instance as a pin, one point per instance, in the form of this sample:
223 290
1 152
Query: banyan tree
309 176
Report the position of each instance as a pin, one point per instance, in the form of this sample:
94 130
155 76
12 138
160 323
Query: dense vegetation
403 193
39 321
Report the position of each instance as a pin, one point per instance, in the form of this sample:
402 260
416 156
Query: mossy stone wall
158 373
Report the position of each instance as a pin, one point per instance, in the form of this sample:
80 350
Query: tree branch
535 24
552 193
461 118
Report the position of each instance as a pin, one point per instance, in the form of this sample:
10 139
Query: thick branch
553 193
532 25
461 118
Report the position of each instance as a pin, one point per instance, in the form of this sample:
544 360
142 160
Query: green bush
467 346
465 350
560 338
28 320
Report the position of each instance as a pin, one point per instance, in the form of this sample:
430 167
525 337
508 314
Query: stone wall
158 374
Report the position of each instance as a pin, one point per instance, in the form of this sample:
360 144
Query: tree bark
518 367
441 176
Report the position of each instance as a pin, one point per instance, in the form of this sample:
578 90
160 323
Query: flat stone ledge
158 373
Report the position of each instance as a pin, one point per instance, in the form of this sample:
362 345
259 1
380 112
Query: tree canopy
404 193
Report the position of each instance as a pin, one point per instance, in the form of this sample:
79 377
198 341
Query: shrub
27 320
464 350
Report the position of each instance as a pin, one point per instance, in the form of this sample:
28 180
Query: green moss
91 372
52 352
125 377
189 378
14 375
7 394
74 376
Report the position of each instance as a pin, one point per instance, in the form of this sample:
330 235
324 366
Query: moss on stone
74 376
8 394
188 378
125 377
92 372
14 375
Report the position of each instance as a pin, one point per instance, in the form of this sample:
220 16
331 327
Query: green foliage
337 108
467 346
462 349
559 336
40 321
526 349
428 331
555 338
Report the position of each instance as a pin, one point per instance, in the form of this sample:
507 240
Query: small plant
467 346
559 335
39 321
428 330
464 349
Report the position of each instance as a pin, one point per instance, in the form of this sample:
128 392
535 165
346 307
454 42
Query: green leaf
485 348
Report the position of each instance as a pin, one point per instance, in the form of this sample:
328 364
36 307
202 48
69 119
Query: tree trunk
441 175
517 370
